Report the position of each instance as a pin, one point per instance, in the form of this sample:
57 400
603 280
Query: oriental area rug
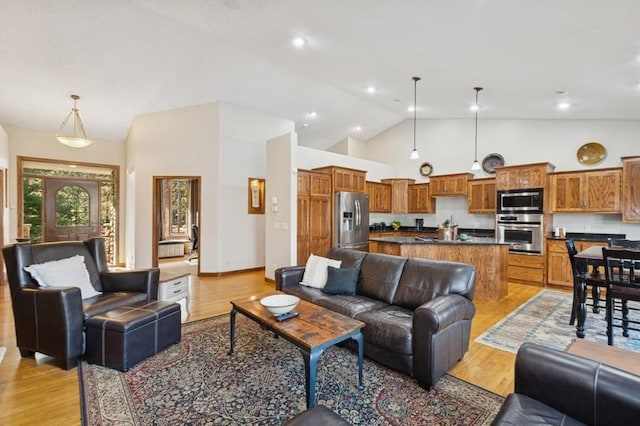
544 319
196 382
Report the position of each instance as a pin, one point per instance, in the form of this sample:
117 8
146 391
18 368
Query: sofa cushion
349 305
342 281
379 276
108 301
389 327
519 409
350 258
425 279
309 294
315 272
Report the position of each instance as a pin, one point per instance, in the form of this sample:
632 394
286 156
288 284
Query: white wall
223 144
4 164
281 215
448 146
350 146
33 143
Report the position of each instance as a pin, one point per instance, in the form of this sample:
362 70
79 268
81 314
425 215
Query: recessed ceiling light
371 89
312 114
299 42
357 128
560 92
474 107
564 105
305 124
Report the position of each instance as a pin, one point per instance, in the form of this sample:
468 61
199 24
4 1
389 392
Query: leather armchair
557 388
51 320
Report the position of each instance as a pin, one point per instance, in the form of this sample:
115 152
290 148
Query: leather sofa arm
439 313
50 320
138 280
288 276
584 389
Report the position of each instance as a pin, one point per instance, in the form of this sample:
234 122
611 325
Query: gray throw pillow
342 281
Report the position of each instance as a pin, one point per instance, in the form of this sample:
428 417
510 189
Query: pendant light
414 153
476 165
73 135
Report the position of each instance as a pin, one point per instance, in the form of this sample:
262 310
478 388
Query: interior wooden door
71 209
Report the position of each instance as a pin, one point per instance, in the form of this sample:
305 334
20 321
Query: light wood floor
37 391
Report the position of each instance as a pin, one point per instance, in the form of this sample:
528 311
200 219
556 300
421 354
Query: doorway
68 201
176 224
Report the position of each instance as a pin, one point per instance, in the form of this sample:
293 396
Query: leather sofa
417 312
557 388
51 320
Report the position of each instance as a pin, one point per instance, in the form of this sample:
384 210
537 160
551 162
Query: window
179 202
72 206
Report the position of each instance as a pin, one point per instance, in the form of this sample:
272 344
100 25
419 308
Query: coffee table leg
310 372
358 338
232 321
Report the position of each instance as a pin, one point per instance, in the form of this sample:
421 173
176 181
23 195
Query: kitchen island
490 259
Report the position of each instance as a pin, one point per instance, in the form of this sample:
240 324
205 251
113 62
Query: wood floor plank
38 391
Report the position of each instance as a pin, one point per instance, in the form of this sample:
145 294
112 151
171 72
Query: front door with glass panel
71 209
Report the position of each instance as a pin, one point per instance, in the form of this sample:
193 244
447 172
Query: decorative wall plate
426 169
591 153
492 161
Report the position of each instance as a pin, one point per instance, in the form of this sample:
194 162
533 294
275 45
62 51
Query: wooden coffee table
314 330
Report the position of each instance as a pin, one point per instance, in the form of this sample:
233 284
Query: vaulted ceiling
131 57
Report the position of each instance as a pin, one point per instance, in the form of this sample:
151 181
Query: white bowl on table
280 303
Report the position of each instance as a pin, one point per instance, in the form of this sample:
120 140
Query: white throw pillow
69 272
315 272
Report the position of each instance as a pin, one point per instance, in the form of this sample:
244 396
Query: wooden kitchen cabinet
523 176
449 185
314 214
399 194
559 270
594 191
482 196
630 189
527 269
420 200
345 179
379 197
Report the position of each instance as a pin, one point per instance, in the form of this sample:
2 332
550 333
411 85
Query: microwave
520 201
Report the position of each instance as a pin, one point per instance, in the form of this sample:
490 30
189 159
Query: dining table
592 256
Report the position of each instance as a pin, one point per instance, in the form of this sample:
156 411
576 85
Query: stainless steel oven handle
518 225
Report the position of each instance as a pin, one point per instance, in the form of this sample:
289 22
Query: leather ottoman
319 415
125 336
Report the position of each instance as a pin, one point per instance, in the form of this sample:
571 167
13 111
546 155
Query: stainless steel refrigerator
351 220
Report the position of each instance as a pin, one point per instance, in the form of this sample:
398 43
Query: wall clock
426 169
492 161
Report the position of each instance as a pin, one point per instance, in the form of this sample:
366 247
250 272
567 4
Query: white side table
175 288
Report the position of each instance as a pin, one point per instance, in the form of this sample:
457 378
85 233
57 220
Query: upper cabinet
631 189
399 194
449 185
594 191
379 197
345 179
523 176
420 200
482 196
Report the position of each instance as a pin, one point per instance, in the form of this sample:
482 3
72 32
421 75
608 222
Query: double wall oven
520 220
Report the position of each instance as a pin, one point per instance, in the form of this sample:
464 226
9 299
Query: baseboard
220 274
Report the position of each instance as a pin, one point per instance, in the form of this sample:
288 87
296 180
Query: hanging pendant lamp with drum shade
73 135
414 153
476 165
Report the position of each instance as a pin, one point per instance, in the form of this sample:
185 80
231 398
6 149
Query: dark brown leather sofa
557 388
51 320
417 312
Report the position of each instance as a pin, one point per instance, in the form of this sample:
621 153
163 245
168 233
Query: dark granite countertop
586 236
472 232
428 240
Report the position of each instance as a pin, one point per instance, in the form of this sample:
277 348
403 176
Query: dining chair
593 279
622 276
